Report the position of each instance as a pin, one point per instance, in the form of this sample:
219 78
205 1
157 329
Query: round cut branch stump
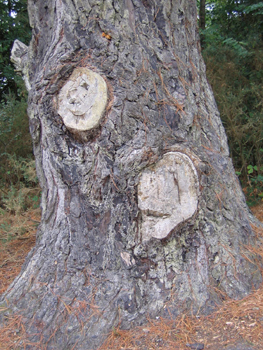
82 100
167 195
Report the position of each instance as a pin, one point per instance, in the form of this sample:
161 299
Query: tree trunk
142 214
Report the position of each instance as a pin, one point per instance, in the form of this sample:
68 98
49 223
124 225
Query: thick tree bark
142 214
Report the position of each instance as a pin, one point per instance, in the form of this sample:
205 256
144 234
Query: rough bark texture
91 269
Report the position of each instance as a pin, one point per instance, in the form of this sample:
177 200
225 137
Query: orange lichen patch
107 36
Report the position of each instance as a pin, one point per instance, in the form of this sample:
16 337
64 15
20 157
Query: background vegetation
18 182
232 44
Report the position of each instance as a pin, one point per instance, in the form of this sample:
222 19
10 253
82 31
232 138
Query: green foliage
236 19
6 231
255 9
233 53
254 189
18 182
14 128
19 188
14 24
238 46
20 191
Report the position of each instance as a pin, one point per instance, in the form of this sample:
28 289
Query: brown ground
236 325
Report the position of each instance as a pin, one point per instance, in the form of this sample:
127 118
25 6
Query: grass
234 322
